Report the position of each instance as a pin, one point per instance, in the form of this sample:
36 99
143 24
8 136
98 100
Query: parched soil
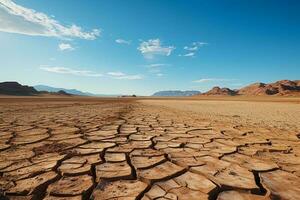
126 149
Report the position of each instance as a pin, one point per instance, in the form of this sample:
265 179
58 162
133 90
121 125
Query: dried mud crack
130 150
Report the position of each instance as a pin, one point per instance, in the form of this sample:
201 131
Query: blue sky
141 46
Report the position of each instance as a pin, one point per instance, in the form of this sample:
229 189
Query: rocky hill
178 93
279 88
14 88
220 91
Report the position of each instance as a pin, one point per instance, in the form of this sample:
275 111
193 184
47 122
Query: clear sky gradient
142 46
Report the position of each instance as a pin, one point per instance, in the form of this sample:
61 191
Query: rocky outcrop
281 88
220 91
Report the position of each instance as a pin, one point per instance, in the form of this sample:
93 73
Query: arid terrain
72 148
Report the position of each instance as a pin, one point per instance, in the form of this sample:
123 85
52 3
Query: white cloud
156 68
65 47
65 70
200 44
121 75
130 77
193 48
205 80
15 18
116 73
157 65
122 41
153 47
191 54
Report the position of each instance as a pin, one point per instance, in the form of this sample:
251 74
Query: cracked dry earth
128 150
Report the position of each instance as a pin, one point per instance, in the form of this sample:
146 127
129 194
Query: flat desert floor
168 149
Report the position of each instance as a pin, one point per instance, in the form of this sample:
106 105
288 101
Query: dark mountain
14 88
174 93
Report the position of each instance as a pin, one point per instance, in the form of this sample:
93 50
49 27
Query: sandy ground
152 148
283 115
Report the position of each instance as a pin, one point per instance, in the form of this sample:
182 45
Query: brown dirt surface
149 148
277 113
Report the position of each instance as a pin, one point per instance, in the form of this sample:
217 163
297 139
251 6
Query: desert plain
72 148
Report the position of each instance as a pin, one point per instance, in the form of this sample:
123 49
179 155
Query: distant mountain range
174 93
279 88
54 89
15 88
69 91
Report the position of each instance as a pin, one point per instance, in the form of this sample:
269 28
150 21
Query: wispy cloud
205 80
65 47
121 75
116 74
191 54
15 18
154 47
157 65
156 68
193 48
87 73
122 41
130 77
65 70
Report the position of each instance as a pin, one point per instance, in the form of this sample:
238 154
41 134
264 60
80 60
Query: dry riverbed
148 149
